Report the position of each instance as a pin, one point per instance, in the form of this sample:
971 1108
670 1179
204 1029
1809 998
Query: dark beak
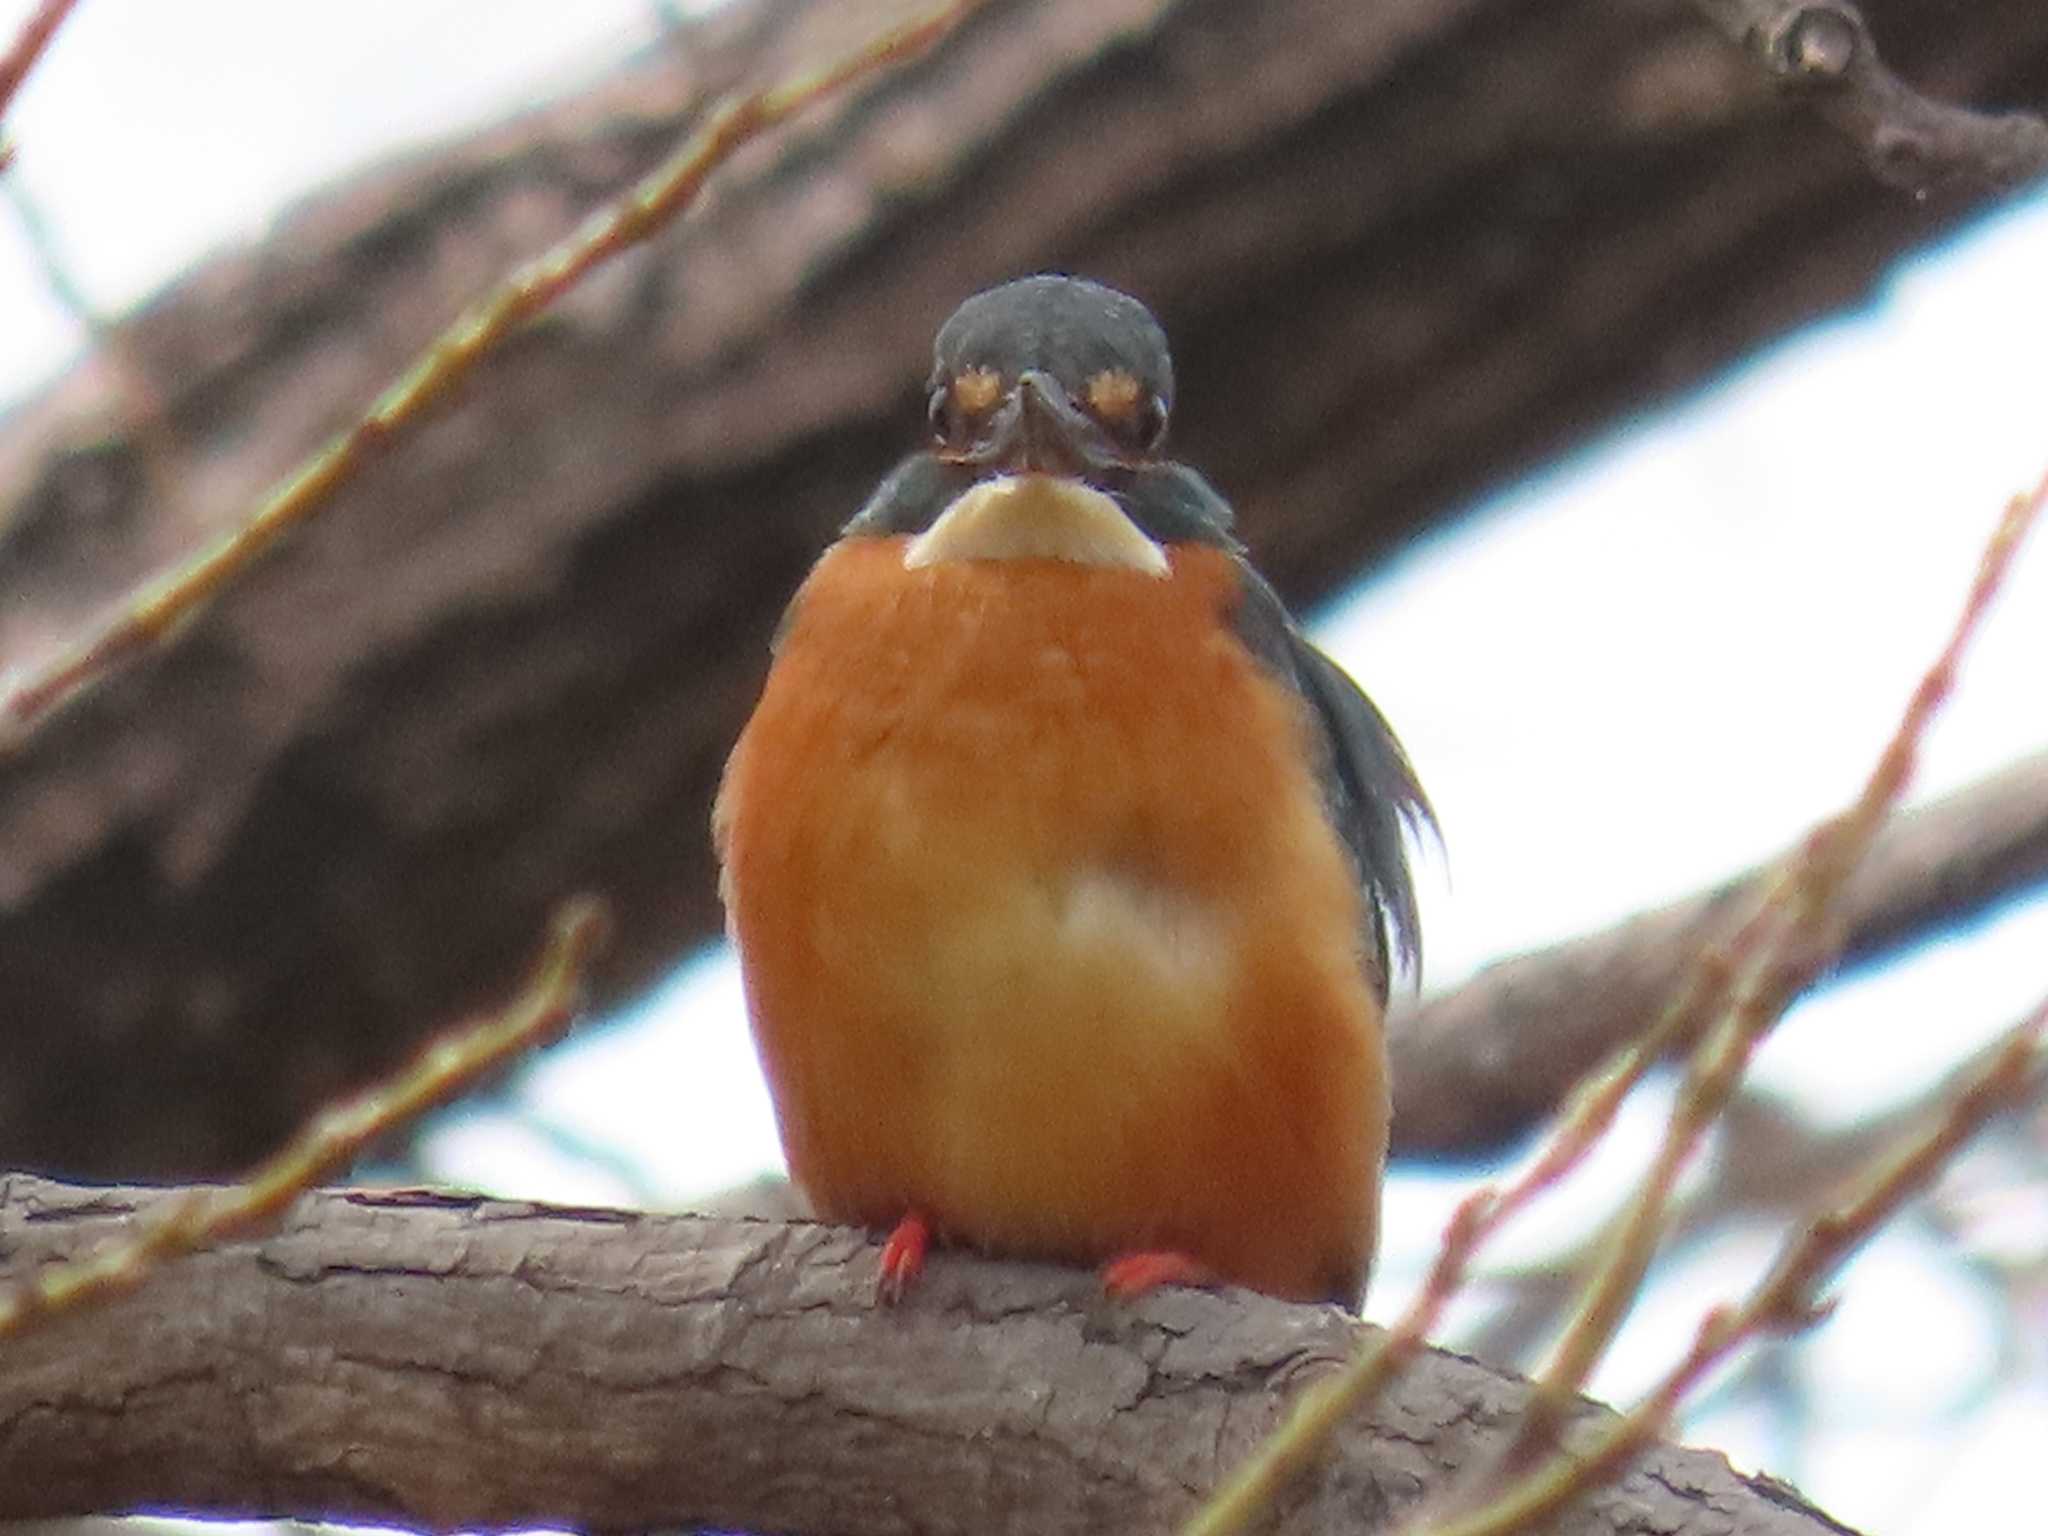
1038 430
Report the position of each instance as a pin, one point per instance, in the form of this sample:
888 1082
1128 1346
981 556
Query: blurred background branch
1479 1066
1907 138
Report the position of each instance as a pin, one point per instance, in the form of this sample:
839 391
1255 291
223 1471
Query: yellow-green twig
1806 892
1785 1300
1584 1122
156 608
1297 1442
1701 996
332 1139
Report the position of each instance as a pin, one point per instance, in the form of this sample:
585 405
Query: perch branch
330 1142
1909 140
441 1361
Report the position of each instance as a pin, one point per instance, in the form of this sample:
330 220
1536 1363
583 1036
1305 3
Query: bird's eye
976 391
1132 413
962 403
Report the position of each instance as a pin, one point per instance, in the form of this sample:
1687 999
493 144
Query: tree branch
1476 1067
438 1360
1787 1299
1909 140
34 36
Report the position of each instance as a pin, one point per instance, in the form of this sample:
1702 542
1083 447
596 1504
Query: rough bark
434 1360
1404 250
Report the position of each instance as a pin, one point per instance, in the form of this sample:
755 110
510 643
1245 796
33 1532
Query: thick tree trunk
1404 250
431 1360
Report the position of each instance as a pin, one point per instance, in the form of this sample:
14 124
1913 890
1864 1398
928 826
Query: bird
1065 873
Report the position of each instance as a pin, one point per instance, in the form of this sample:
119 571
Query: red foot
902 1259
1136 1273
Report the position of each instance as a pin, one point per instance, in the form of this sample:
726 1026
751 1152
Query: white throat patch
1036 517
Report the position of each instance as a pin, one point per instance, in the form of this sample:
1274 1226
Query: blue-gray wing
1369 787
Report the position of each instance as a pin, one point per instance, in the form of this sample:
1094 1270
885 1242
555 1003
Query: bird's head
1051 375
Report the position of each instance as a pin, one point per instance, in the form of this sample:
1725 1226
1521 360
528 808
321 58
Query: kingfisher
1066 874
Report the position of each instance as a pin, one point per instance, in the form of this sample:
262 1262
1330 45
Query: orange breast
1044 932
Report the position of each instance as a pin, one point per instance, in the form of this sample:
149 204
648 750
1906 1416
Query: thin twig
333 1138
1585 1120
1820 866
22 54
155 609
1785 1301
1805 894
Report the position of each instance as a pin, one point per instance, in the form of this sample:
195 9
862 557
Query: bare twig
332 1140
1301 1438
21 56
1910 140
1773 1166
1785 1301
1803 902
151 613
1777 946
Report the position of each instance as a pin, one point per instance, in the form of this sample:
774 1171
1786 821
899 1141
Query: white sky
1649 666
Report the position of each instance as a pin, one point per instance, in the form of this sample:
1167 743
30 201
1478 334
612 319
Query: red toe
1134 1274
902 1259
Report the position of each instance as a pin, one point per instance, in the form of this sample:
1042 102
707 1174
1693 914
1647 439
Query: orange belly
1044 932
